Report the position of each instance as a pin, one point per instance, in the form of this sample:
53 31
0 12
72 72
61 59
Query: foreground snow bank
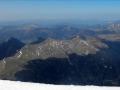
13 85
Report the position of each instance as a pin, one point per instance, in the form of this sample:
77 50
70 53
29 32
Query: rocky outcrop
60 48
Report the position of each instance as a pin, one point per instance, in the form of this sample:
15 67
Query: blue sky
13 10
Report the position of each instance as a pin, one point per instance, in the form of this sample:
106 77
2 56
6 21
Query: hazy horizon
59 10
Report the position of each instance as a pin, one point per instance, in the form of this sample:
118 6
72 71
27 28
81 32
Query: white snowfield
14 85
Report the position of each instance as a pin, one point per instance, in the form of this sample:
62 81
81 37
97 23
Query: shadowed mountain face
10 47
99 69
83 70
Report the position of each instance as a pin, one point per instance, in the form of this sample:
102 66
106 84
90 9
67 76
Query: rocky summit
60 48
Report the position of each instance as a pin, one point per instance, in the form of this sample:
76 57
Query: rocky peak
60 48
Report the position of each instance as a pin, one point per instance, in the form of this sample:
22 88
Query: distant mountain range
61 55
29 33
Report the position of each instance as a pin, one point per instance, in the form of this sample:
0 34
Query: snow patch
85 42
4 61
20 53
15 85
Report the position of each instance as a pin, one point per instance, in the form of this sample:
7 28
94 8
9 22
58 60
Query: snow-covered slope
13 85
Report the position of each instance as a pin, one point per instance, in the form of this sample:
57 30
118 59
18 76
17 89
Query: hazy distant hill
30 33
